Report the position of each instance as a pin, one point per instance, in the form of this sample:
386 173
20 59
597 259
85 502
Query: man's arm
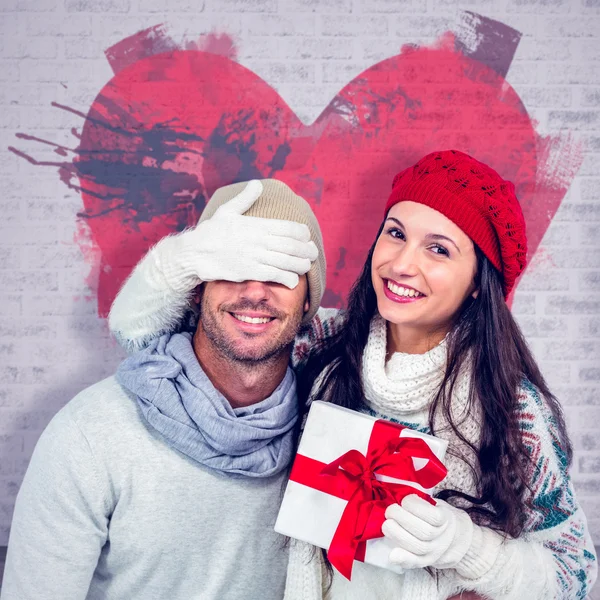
60 521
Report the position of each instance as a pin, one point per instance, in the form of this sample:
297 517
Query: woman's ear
475 293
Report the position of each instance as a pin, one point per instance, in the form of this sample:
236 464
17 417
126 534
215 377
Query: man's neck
243 384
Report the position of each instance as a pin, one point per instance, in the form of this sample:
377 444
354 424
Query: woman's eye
395 233
437 249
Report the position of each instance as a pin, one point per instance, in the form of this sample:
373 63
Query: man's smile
251 322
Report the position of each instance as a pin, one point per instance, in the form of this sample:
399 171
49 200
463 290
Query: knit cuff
304 580
482 553
174 260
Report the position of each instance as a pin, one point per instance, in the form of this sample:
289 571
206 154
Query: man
165 480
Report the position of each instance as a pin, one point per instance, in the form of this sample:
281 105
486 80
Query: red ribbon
351 477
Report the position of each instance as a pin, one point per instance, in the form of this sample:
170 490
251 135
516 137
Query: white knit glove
234 247
428 536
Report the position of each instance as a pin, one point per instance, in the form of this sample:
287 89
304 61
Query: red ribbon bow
352 477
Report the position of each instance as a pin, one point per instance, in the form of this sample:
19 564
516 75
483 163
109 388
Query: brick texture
51 342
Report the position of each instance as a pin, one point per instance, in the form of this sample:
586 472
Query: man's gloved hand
234 247
426 535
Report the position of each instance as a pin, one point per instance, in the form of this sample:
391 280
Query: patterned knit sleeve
325 323
554 517
555 557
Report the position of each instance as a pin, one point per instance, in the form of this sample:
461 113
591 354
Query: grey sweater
108 511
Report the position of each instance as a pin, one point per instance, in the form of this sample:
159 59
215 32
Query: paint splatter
147 42
216 43
489 42
155 40
170 128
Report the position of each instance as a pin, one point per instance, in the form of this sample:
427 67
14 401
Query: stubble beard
270 350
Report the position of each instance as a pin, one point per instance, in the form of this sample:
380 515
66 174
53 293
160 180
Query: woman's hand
425 535
236 247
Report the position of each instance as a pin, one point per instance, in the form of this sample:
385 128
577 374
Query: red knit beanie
474 197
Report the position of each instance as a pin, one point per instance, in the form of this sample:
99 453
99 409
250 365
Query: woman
428 341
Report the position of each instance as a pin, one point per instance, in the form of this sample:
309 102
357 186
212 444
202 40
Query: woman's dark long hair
486 334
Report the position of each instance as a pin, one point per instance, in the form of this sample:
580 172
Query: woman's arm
325 324
229 246
555 557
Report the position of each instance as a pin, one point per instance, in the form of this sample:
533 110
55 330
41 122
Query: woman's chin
392 316
399 313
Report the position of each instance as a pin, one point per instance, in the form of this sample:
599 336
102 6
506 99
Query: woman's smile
402 294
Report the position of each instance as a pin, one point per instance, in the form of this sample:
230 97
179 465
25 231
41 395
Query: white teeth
254 320
402 291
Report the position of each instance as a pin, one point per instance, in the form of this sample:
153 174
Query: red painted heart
169 129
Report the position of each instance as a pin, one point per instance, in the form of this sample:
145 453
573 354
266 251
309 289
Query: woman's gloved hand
235 247
424 535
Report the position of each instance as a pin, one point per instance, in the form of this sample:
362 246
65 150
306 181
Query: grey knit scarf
179 401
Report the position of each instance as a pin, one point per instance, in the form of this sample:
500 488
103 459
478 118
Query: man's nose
255 291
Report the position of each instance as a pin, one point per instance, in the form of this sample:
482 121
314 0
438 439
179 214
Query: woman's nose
406 261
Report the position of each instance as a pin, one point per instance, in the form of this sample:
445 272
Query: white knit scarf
403 389
404 386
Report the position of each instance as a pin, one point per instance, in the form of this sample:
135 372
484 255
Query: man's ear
306 305
197 295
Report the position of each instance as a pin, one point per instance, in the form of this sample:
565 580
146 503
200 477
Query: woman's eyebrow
395 221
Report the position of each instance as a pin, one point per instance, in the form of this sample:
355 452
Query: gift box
349 468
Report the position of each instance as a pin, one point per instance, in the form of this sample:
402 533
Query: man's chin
244 344
242 351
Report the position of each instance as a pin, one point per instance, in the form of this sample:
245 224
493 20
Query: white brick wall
51 342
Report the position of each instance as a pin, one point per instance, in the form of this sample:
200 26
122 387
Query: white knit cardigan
402 389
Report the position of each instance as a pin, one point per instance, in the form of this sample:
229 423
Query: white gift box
311 515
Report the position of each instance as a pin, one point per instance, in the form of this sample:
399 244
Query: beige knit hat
278 201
